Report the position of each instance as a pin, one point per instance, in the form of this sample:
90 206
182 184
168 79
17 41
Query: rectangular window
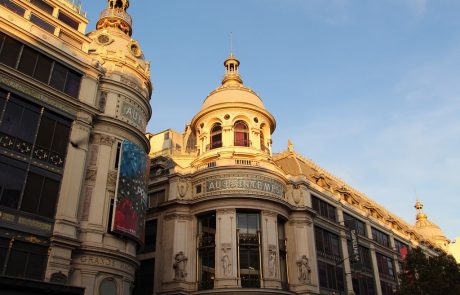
402 249
39 66
324 209
249 246
10 52
42 23
156 198
144 284
385 266
27 260
352 222
43 6
11 181
58 77
380 237
207 252
331 276
43 69
387 288
327 244
38 133
68 20
150 236
28 61
13 7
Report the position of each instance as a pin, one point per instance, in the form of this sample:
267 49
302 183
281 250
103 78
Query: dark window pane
12 119
32 193
43 69
60 139
45 132
48 201
28 60
58 76
3 251
12 179
13 7
43 5
68 20
42 23
144 278
72 86
35 266
16 263
29 122
10 52
150 235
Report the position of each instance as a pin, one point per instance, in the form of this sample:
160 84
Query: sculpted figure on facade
226 262
272 269
304 269
179 266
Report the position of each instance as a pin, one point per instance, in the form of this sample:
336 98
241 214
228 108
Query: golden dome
232 89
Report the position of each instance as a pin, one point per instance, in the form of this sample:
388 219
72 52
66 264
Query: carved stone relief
179 266
227 260
182 187
112 179
304 270
91 175
272 261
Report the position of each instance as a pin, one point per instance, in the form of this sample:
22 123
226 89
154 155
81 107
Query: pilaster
226 250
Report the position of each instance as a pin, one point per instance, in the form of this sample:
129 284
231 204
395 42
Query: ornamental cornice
178 216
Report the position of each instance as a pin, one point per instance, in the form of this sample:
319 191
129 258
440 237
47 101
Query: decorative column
64 238
345 255
227 135
301 254
270 251
226 249
375 267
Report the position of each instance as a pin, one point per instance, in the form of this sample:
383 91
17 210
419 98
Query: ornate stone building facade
67 101
228 216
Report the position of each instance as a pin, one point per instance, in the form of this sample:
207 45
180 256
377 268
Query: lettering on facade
354 244
106 261
133 114
248 183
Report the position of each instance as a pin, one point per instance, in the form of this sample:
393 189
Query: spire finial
115 16
420 215
290 146
231 44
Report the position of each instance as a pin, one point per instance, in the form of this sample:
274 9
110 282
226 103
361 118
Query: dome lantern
232 76
115 16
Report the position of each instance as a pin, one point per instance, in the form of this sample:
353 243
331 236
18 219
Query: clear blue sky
370 90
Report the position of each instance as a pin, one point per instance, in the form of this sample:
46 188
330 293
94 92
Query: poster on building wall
131 192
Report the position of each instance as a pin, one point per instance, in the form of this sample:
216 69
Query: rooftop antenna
231 42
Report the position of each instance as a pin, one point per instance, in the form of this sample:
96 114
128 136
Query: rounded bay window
216 136
241 134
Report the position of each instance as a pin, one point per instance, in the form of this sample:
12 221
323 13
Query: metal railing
117 13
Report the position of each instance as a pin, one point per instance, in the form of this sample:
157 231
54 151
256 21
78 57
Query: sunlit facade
67 101
229 216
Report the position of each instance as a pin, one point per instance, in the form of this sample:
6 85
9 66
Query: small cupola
232 77
115 16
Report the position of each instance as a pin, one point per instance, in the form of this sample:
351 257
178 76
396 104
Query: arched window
216 136
241 132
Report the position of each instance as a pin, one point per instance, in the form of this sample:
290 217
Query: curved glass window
241 132
216 136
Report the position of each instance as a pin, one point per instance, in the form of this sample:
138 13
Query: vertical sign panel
131 192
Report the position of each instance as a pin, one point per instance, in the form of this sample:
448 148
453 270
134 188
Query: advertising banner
131 192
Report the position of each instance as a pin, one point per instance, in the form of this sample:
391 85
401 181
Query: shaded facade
228 216
67 101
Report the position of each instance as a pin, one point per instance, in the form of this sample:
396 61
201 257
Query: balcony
116 13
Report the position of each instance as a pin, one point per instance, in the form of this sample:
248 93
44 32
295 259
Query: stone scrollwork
179 266
304 270
91 175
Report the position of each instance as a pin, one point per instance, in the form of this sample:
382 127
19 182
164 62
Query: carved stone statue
304 269
179 266
226 263
272 269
